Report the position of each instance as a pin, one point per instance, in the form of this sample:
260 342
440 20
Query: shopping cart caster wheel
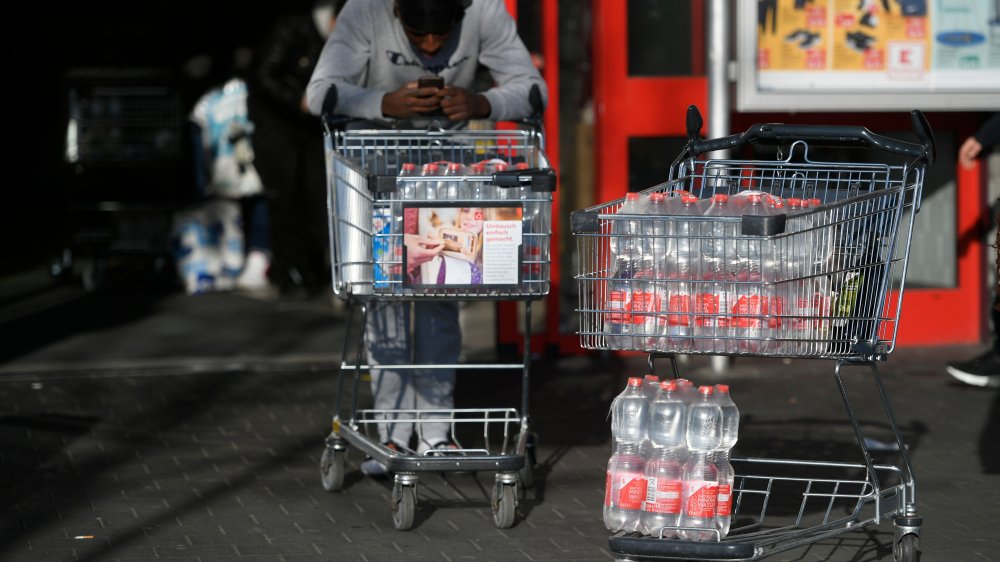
331 469
404 506
504 506
905 549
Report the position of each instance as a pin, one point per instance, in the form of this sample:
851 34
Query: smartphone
430 82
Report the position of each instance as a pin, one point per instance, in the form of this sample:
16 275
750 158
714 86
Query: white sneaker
254 274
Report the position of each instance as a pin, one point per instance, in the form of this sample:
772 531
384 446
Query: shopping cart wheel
331 469
404 506
905 549
504 506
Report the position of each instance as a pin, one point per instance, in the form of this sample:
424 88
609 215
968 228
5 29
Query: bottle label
679 309
747 311
663 496
644 302
702 498
725 501
706 310
618 307
629 489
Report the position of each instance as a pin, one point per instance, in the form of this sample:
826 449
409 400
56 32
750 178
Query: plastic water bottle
618 319
645 306
667 428
680 270
630 414
480 190
727 476
625 489
654 240
495 166
748 303
700 478
618 306
626 230
651 385
430 187
407 189
450 190
655 230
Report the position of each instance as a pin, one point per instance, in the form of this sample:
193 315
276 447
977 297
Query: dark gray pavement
145 424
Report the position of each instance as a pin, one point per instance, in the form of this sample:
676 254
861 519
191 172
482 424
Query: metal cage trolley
820 278
386 186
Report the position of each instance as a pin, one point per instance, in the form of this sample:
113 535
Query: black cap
430 16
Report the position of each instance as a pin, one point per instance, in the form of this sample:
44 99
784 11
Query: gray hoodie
368 55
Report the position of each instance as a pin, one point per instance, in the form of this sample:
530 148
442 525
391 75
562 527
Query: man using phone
381 48
370 69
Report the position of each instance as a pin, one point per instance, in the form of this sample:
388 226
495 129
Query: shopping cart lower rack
821 278
485 197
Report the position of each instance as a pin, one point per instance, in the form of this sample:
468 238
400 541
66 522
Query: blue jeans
435 339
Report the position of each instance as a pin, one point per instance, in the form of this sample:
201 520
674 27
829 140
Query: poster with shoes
792 34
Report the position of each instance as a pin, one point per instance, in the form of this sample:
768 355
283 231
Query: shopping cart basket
375 204
823 281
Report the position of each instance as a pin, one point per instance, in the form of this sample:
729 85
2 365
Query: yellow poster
792 34
883 36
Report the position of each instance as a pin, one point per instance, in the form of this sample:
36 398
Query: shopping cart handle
831 135
540 179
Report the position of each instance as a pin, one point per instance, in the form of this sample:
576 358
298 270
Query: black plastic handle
332 121
831 135
540 179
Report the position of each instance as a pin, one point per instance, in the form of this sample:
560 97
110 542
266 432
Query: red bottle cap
634 381
656 197
706 390
454 166
720 198
722 388
670 385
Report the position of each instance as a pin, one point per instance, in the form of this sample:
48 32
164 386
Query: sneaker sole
981 381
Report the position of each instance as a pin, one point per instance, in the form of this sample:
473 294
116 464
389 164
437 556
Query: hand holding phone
430 81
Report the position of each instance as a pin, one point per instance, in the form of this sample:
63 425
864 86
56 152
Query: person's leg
387 339
437 340
258 243
984 369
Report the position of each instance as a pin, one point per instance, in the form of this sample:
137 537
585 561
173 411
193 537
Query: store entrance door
649 65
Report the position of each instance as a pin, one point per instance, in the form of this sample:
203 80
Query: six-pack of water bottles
669 475
684 276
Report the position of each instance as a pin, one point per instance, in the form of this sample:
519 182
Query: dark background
42 41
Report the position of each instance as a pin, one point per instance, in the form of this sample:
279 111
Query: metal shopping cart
374 205
823 280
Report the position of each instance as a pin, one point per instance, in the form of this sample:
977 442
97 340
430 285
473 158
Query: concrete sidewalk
134 437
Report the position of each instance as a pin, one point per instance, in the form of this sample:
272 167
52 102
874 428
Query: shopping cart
823 281
124 167
374 204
